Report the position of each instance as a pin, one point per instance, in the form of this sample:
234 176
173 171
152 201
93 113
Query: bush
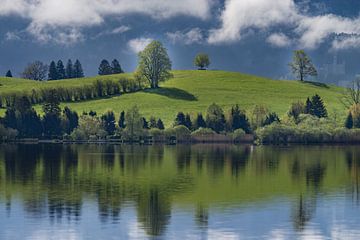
89 128
7 134
182 133
157 134
203 132
238 135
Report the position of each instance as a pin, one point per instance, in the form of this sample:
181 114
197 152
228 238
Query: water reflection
203 184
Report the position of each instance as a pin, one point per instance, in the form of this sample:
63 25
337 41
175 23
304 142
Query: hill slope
194 91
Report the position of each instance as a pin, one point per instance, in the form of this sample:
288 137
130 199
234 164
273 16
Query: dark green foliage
92 113
122 120
116 68
53 73
52 117
317 107
238 120
152 122
105 68
308 106
188 122
9 120
199 121
9 74
71 120
180 119
271 118
349 123
145 123
60 70
78 70
215 118
108 121
160 124
69 69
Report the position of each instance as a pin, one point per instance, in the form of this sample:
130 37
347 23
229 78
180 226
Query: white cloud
279 40
67 15
11 36
120 30
193 36
138 44
346 42
238 17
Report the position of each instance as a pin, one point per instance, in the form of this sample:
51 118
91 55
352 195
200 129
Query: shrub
89 127
203 132
182 133
238 135
157 134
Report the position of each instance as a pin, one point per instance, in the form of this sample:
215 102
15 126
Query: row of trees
58 71
106 69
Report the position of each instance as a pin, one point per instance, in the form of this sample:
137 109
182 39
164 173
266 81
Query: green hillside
194 91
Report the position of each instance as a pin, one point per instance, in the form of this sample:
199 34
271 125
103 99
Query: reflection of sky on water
336 217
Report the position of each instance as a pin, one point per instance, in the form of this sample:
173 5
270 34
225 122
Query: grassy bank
194 91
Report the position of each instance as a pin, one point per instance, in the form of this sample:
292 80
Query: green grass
194 91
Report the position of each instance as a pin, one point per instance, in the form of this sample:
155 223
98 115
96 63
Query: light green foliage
203 132
238 134
134 124
89 128
182 133
202 61
157 134
258 116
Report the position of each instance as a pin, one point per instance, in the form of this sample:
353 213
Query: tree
154 64
271 118
202 61
238 120
145 123
78 70
215 118
302 65
318 108
199 122
122 120
296 109
188 122
351 95
349 123
69 71
60 70
35 71
116 68
308 106
134 123
52 114
71 120
152 122
180 119
53 73
9 74
108 121
160 124
105 68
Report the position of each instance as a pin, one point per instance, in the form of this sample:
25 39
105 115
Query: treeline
98 89
58 71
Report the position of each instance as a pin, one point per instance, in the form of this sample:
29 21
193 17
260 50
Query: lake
179 192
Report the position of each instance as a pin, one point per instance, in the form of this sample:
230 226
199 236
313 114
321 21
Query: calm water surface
179 192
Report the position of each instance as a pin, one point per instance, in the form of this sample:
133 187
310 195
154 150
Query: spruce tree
215 118
160 124
116 68
188 122
349 123
108 121
308 106
153 123
238 120
145 123
180 119
52 114
60 70
78 70
69 69
105 68
9 74
71 120
271 118
122 120
199 122
53 73
317 107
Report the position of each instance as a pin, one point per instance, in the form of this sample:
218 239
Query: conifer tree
52 111
122 120
238 120
60 70
317 107
153 123
308 106
145 123
160 124
271 118
180 119
349 123
215 118
71 120
53 73
9 74
199 122
108 121
69 69
188 122
78 70
105 68
116 68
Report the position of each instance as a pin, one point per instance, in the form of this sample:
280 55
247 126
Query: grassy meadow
194 91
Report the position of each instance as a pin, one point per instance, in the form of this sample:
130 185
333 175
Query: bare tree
351 95
36 71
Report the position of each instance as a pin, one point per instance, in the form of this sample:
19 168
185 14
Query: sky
251 36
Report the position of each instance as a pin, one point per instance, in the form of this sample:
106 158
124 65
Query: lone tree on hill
202 61
154 64
116 68
9 74
105 68
302 65
35 71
